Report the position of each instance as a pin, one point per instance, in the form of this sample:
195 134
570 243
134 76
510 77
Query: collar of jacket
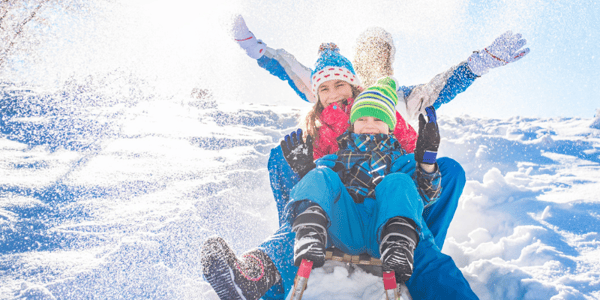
367 142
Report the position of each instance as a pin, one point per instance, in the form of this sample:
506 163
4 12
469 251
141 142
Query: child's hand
246 39
297 153
429 139
505 49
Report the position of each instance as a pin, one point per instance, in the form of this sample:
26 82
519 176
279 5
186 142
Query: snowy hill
110 199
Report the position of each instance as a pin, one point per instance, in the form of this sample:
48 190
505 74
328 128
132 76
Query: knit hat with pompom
378 101
331 65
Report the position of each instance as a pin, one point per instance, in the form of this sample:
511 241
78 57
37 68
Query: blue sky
182 44
559 78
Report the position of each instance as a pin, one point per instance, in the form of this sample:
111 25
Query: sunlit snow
136 129
126 219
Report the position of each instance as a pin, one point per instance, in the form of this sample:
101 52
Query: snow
113 201
596 121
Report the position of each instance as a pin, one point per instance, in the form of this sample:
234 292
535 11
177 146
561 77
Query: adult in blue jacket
412 101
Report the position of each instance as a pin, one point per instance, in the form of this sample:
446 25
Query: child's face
370 125
334 91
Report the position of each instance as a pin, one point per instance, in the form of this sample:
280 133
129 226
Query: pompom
329 46
373 34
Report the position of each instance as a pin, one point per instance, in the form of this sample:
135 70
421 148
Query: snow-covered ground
109 199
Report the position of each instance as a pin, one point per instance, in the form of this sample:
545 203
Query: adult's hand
504 50
246 39
297 153
428 141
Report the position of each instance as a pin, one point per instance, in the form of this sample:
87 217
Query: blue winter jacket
365 159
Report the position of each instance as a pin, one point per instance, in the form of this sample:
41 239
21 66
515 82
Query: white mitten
504 50
246 39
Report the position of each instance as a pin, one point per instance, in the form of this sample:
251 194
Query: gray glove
504 50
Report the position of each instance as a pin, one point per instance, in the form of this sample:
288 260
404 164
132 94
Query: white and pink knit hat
331 65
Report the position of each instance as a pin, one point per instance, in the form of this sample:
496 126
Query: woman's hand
246 39
297 153
428 141
504 50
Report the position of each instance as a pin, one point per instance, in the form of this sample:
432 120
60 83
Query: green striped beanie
378 101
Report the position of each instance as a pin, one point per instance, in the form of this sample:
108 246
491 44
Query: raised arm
422 166
278 62
445 86
427 175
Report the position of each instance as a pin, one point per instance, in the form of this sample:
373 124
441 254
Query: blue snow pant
353 227
435 276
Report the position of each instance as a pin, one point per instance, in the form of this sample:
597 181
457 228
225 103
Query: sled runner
393 291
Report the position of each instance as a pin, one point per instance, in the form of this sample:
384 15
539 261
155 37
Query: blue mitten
505 49
327 161
246 39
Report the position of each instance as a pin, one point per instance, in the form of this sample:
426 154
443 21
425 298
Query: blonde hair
312 120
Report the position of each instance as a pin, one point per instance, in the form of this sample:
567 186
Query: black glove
429 138
297 153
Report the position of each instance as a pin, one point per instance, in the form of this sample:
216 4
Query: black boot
247 278
397 247
311 236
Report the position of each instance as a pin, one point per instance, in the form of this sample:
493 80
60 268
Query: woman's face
334 91
370 125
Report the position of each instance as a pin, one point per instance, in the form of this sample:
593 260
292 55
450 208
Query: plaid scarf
366 159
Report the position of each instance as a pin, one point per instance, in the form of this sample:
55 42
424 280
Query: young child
369 205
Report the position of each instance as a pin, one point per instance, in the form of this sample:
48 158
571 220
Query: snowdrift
110 199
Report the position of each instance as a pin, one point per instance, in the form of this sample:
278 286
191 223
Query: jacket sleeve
282 179
429 185
440 90
285 66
